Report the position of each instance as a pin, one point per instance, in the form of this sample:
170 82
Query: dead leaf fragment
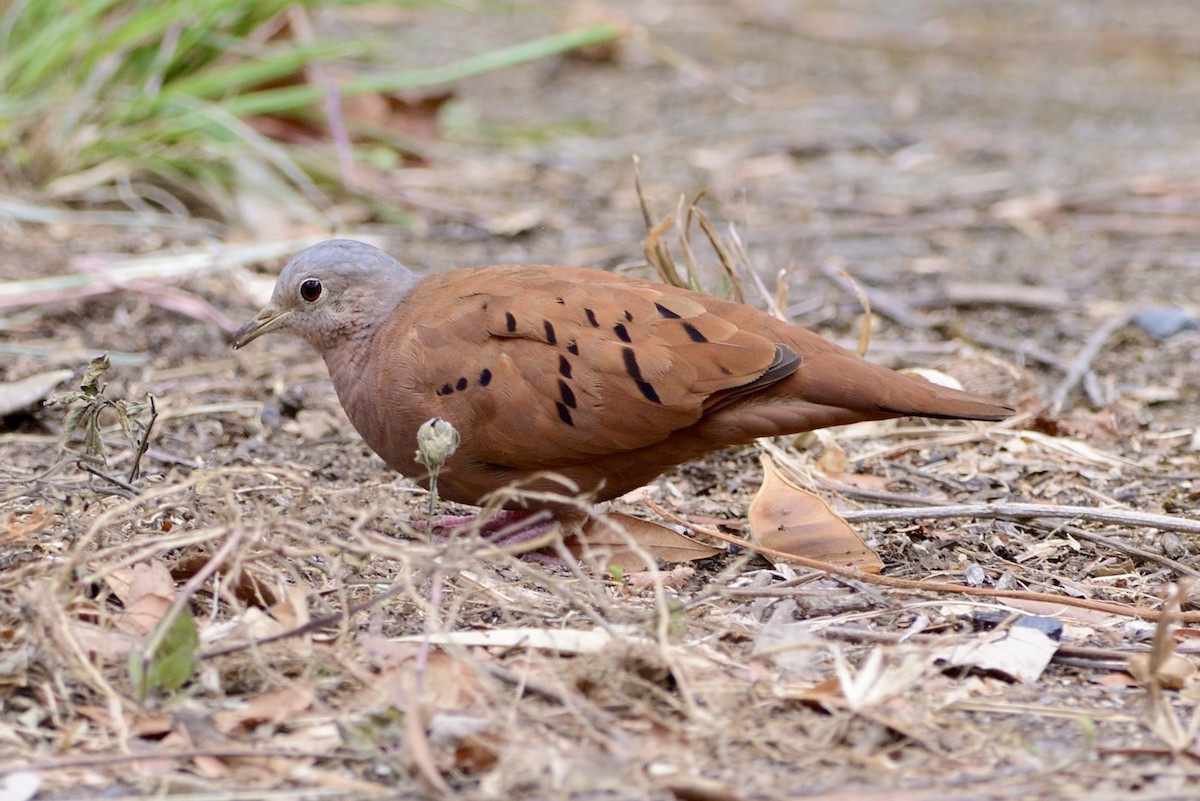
1174 671
784 640
136 724
147 591
21 785
649 579
100 643
275 706
1020 652
618 538
786 518
17 528
17 396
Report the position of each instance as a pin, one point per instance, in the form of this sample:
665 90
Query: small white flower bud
437 440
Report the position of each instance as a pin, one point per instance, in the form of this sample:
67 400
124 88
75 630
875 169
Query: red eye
310 289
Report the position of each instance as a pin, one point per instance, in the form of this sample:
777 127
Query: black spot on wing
635 372
573 347
631 365
694 333
564 367
485 377
550 337
621 332
648 392
564 413
591 316
568 396
510 322
665 312
461 385
628 316
445 389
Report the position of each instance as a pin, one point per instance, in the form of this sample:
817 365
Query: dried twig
158 268
1019 296
136 468
886 303
318 623
1131 550
1115 659
1121 610
1023 511
1082 363
130 491
1022 348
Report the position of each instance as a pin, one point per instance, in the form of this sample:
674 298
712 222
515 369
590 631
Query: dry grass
344 653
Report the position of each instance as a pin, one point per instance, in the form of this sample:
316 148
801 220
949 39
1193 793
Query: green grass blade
271 101
39 47
217 81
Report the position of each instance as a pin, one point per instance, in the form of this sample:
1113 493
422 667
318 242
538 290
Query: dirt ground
1011 184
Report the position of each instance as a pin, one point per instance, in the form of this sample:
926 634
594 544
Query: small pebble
1165 321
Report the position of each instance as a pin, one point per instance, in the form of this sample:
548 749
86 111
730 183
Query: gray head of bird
333 291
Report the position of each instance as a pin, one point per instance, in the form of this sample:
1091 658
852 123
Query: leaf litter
339 652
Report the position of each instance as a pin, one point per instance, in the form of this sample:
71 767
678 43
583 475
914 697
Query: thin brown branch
1019 296
1122 610
1132 550
135 469
1026 511
886 303
1082 364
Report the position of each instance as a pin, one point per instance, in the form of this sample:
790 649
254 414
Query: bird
552 372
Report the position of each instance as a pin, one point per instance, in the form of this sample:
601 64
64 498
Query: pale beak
269 319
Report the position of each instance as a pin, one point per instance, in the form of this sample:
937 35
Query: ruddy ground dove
604 379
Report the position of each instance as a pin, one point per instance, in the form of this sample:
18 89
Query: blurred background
1014 186
917 144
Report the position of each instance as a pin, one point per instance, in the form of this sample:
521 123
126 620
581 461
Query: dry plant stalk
731 256
1163 669
864 332
85 406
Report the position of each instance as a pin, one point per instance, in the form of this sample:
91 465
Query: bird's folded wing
579 367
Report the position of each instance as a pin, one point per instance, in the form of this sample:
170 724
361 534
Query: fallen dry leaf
137 725
1174 672
146 591
275 706
100 643
250 584
292 611
443 682
786 518
617 538
648 579
1020 652
20 785
1070 615
19 528
16 396
252 624
130 584
478 753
